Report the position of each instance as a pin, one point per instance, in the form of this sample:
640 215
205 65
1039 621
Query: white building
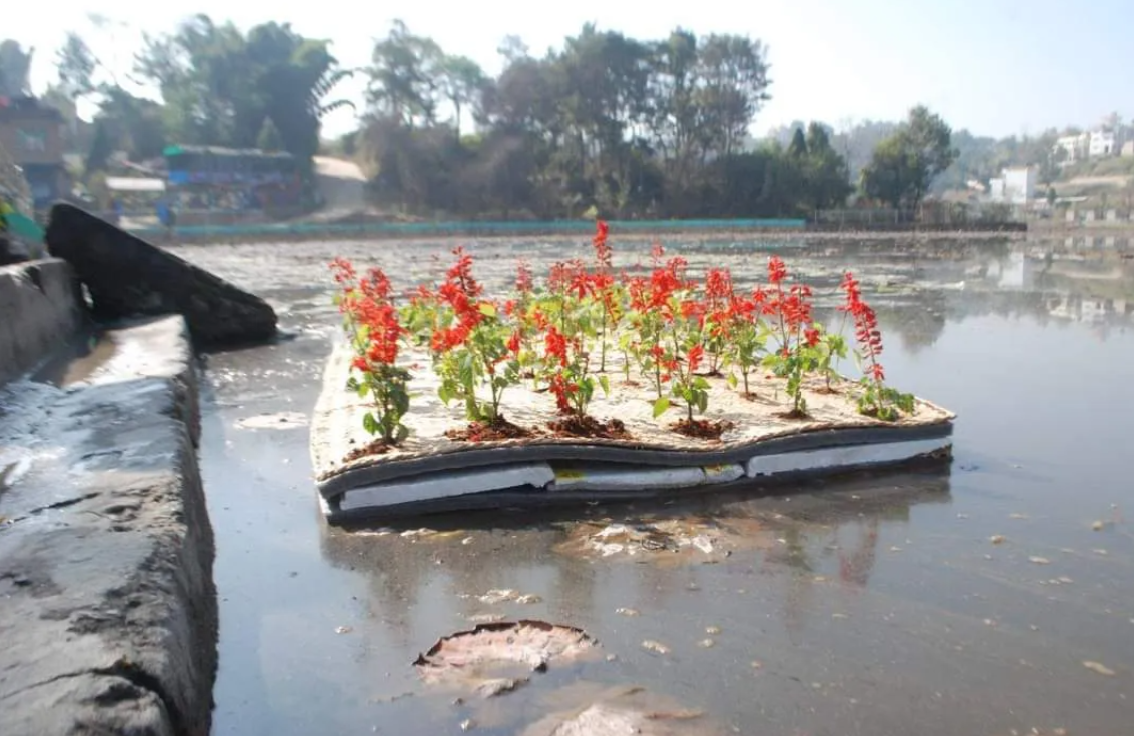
1102 143
1015 185
1072 148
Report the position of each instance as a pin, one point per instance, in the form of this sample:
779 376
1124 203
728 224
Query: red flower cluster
375 331
366 306
866 330
460 291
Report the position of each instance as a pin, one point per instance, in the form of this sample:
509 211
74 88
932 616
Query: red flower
696 355
866 330
603 253
811 336
555 345
523 277
777 271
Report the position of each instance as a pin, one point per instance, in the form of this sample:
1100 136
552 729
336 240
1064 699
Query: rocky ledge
108 616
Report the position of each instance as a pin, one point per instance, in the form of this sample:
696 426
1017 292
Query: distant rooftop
25 106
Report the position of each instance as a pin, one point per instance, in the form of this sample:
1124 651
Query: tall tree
75 66
462 82
219 84
15 69
904 164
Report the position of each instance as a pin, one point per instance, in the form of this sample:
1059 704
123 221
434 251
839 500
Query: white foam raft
431 473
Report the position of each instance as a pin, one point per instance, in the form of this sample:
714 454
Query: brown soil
498 429
702 429
377 447
793 414
830 390
588 426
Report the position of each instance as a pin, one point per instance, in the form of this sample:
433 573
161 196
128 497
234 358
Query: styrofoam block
723 473
624 479
832 458
448 484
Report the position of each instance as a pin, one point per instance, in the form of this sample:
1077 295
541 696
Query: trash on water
497 658
507 595
677 540
1099 668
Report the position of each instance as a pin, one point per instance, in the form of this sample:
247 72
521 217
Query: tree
15 69
798 146
75 65
269 137
462 82
607 123
219 84
101 147
905 163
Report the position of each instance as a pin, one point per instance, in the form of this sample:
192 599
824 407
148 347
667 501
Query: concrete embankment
108 614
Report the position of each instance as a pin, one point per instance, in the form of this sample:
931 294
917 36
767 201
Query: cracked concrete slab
107 607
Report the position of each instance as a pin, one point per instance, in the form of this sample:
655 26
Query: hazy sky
996 67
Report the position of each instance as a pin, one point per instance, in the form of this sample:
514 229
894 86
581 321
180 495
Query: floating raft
431 473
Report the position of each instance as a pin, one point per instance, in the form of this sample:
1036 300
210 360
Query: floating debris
281 420
997 539
485 659
625 710
486 618
507 595
630 612
712 630
1039 560
343 629
681 541
1099 668
655 646
707 643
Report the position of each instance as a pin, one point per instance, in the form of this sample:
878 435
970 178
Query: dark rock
128 277
12 252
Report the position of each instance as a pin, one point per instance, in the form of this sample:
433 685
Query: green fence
443 229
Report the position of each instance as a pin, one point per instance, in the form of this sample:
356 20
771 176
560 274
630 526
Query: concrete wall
39 314
108 612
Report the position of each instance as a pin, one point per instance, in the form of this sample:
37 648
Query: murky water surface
993 598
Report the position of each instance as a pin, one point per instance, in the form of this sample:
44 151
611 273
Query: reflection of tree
855 568
917 325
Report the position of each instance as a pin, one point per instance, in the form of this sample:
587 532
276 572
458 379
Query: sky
995 67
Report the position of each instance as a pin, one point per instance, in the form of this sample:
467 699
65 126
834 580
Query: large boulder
128 277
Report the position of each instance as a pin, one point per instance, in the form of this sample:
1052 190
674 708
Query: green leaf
487 309
661 406
370 424
732 380
604 381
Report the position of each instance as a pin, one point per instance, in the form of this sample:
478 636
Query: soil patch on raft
702 429
492 431
588 426
377 447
